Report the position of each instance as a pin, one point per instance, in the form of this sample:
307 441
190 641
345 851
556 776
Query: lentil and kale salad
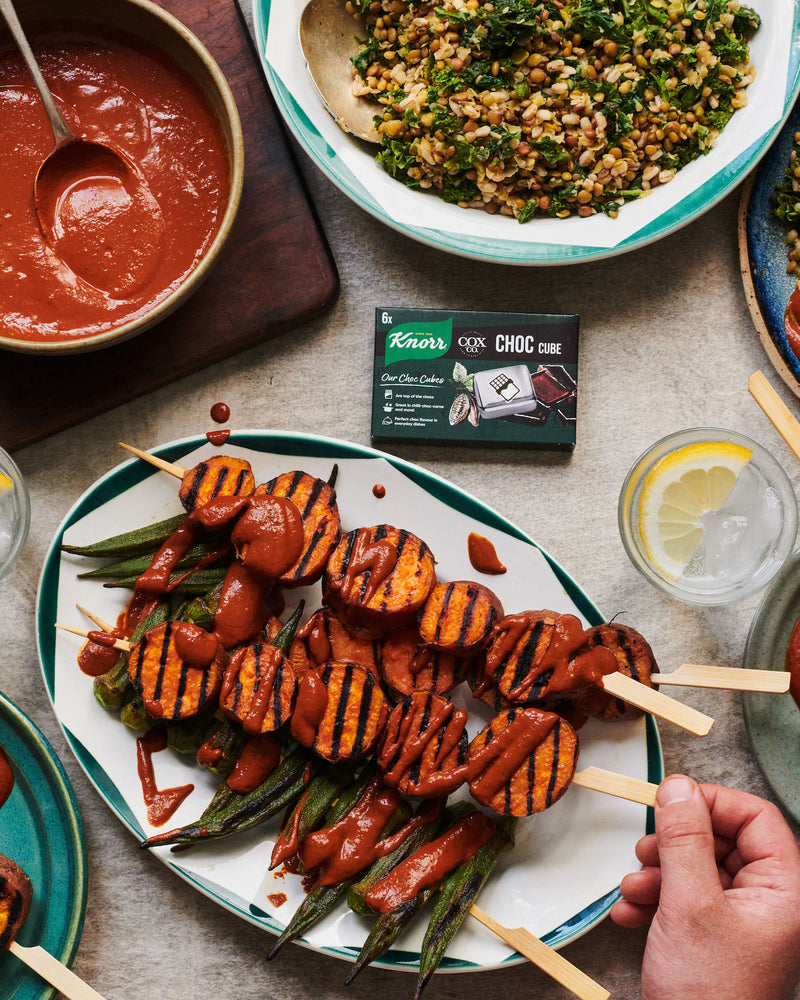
785 204
526 108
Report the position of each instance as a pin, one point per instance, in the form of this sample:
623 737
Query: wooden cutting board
275 271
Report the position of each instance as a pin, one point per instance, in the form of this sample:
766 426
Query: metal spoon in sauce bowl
89 195
327 38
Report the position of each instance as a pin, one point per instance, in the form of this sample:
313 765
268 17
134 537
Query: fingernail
677 789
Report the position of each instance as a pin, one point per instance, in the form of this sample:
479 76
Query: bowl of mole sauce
112 254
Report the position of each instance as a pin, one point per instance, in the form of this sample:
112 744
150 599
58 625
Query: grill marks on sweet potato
324 637
425 746
458 616
217 476
316 502
522 761
16 893
517 647
340 712
259 688
634 657
378 578
173 686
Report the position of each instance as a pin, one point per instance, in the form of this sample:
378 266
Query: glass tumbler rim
777 478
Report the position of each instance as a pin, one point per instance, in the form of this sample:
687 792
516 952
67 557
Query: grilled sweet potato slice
217 476
340 711
177 668
16 893
634 658
458 616
425 747
407 665
259 688
515 652
378 578
324 637
316 501
522 761
542 655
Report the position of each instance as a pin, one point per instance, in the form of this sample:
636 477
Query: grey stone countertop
666 343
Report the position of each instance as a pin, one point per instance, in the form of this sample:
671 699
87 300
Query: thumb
685 841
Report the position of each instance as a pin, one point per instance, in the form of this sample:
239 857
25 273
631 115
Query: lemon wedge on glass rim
677 491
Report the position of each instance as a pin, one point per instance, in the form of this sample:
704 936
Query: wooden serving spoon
328 40
54 972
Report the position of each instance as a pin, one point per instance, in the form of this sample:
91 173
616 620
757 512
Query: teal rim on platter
695 189
41 830
413 488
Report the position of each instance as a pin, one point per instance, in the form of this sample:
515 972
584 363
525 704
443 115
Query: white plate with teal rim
564 872
775 52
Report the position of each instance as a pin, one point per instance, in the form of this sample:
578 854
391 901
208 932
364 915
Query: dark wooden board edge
243 302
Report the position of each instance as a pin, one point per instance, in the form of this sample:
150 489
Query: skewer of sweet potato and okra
230 811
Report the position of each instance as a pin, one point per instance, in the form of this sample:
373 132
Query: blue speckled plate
773 720
562 875
764 257
775 52
41 830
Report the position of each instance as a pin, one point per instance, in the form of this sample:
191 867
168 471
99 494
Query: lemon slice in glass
677 491
6 483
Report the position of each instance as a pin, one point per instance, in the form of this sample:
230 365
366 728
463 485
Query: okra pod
307 814
130 543
322 898
202 609
286 783
457 893
199 581
386 930
420 836
136 565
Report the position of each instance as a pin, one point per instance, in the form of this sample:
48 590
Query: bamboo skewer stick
777 412
545 957
99 622
657 703
620 785
174 470
728 678
121 644
54 972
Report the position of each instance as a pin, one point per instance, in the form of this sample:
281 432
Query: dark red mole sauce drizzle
161 804
482 555
220 413
6 778
379 557
268 537
218 438
379 491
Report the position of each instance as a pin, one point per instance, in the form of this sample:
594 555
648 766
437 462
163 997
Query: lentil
496 105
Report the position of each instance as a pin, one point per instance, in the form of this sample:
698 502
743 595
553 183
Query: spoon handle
61 131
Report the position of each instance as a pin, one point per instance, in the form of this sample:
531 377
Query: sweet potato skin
16 893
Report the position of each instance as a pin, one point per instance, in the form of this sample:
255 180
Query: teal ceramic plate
564 871
350 164
41 830
773 720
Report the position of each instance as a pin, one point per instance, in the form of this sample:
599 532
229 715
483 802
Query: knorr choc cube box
475 377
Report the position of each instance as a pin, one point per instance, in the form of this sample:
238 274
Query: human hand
720 888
